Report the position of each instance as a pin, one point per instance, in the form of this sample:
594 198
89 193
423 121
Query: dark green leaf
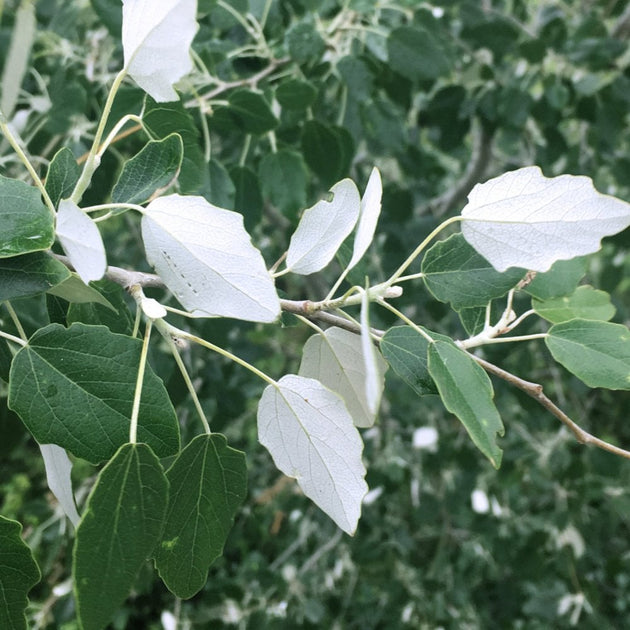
598 353
18 574
30 274
305 44
164 119
252 112
75 291
208 482
152 169
6 356
584 303
327 150
466 391
63 174
561 279
221 189
405 349
110 15
26 224
456 273
283 177
74 387
296 94
418 54
248 200
116 317
118 532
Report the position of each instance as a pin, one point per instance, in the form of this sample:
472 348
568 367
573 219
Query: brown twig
535 390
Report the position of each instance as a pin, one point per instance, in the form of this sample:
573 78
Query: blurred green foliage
438 97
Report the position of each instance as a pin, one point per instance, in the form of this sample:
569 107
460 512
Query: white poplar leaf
310 435
81 240
523 219
58 469
323 228
156 37
368 217
373 388
206 258
335 358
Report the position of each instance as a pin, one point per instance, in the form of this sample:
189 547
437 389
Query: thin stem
16 321
133 426
13 140
163 330
520 319
93 160
413 276
535 390
173 330
113 134
10 337
416 252
405 319
136 324
308 322
245 151
109 206
474 342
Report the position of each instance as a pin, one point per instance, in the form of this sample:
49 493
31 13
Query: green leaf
18 574
26 224
252 112
598 353
74 387
474 318
116 316
208 482
296 94
456 273
6 356
119 530
466 391
561 279
585 303
327 150
305 44
418 54
248 199
22 276
152 169
74 290
63 174
164 119
283 177
220 190
405 349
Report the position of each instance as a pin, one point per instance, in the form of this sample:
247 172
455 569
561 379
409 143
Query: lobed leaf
311 437
523 219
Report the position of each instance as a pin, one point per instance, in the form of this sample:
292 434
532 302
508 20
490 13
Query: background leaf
30 274
584 303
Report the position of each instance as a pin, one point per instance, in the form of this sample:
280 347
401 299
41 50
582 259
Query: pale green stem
110 206
412 276
248 142
163 329
272 141
265 14
308 322
226 353
16 321
136 324
472 343
520 319
405 319
133 426
10 337
13 140
416 252
178 311
239 18
93 161
117 127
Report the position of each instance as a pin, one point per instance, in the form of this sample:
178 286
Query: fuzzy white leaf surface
368 217
206 258
524 219
335 358
310 435
58 469
81 240
156 37
323 228
373 383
